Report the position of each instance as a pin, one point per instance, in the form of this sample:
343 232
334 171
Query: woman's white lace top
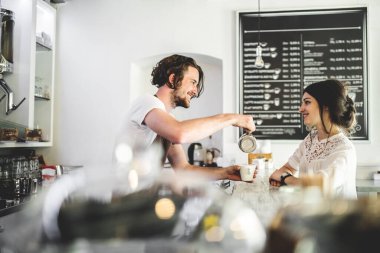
334 157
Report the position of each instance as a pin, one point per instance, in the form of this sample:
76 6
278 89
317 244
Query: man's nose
195 91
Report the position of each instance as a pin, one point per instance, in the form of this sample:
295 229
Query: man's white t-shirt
134 131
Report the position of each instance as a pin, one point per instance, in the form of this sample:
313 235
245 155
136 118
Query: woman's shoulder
340 142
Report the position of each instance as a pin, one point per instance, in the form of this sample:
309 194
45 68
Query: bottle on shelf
211 153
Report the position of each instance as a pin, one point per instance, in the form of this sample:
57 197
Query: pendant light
259 63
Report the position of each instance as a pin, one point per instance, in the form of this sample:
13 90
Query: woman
326 150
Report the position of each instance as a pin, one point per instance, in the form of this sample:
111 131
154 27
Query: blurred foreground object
143 214
108 208
180 212
327 226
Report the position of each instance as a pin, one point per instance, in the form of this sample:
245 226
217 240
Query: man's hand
246 122
233 173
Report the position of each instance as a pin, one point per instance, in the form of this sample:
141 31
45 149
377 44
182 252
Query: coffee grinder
6 57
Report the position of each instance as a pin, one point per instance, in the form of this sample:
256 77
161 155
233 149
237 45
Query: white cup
260 166
247 171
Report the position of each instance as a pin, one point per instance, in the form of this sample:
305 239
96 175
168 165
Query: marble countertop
266 200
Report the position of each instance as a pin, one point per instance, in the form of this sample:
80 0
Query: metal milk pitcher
247 143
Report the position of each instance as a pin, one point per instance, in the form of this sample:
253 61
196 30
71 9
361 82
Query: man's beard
179 101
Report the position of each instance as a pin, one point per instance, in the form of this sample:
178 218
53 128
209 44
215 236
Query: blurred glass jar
334 226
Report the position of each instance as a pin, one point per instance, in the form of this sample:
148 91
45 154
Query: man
178 79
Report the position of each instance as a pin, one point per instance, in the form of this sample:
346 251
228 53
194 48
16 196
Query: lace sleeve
335 167
295 160
338 169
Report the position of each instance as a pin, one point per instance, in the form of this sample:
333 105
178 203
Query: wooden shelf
14 144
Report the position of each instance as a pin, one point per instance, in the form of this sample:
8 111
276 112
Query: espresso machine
6 57
195 153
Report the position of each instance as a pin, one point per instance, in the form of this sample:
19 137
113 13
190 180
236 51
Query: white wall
99 40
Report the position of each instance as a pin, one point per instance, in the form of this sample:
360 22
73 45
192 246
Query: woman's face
310 110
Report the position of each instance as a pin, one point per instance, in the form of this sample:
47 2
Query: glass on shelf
41 91
43 41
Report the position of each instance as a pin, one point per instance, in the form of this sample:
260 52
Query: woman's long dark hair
333 95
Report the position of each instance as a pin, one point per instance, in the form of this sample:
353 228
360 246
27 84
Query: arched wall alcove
209 103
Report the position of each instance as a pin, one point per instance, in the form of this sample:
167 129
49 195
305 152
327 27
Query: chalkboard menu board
300 48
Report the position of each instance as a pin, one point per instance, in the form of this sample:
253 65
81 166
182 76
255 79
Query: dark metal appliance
6 57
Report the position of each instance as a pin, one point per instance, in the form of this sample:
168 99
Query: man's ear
171 81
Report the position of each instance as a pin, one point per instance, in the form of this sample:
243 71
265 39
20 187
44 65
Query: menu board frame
314 23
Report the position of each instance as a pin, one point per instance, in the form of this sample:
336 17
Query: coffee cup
247 171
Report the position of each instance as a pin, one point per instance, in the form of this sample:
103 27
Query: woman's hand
275 178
